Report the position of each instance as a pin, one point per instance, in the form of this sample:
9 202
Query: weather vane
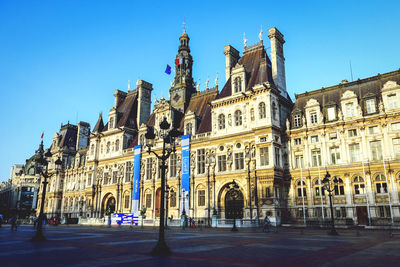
184 25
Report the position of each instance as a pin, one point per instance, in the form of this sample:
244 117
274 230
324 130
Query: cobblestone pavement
102 246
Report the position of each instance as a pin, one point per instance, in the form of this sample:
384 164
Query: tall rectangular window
370 104
115 177
331 114
264 157
222 163
298 163
349 110
173 199
396 147
201 161
172 165
277 156
354 150
149 168
314 138
297 120
239 161
128 174
201 197
335 155
392 101
314 118
297 141
373 130
127 200
89 180
352 132
148 201
376 150
316 158
395 126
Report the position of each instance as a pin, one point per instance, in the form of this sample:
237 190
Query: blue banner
136 180
185 171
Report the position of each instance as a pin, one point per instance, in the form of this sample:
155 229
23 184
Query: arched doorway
108 206
234 204
158 202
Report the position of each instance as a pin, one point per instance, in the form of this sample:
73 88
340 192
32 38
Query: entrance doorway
234 204
362 215
109 206
158 202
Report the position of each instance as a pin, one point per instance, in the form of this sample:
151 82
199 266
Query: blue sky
61 61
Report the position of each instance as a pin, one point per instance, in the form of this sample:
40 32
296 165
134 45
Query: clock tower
182 86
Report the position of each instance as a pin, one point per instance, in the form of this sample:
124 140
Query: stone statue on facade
380 107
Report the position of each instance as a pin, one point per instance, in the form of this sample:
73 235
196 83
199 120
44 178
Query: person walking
267 224
13 222
1 220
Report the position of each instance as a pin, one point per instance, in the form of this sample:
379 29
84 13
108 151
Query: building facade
247 131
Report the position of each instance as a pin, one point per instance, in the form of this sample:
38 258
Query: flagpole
320 189
302 192
387 184
366 191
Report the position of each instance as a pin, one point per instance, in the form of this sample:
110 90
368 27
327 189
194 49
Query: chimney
278 60
232 57
144 101
119 97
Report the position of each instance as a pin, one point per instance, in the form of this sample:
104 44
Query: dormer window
189 128
370 105
297 120
111 123
392 101
350 110
331 112
314 118
221 121
237 85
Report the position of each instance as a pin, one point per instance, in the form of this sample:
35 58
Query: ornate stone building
248 131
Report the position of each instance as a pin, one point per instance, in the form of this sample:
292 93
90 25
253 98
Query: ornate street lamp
235 196
168 138
42 169
167 197
327 186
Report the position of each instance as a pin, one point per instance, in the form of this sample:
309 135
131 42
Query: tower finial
184 25
260 34
244 39
129 85
216 80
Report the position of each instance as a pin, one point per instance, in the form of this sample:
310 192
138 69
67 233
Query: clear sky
61 61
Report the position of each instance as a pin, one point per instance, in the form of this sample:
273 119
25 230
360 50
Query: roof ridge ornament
184 25
260 34
244 40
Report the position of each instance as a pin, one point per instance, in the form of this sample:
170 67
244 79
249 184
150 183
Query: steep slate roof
127 111
257 66
199 104
99 125
67 136
361 88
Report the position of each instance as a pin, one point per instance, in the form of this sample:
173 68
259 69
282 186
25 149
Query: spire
99 124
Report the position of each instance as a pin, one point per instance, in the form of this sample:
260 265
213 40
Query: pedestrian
13 222
1 220
267 224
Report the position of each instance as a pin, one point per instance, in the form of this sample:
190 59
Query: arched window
189 128
301 189
318 188
221 121
117 145
381 185
261 110
339 187
238 84
274 111
359 185
238 118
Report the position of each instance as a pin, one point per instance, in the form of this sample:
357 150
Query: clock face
176 97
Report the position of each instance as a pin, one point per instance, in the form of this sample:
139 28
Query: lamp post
168 138
80 211
327 187
235 195
42 169
167 197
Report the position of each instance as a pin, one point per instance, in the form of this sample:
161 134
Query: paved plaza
102 246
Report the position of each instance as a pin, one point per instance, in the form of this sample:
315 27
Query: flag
168 69
177 62
42 135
